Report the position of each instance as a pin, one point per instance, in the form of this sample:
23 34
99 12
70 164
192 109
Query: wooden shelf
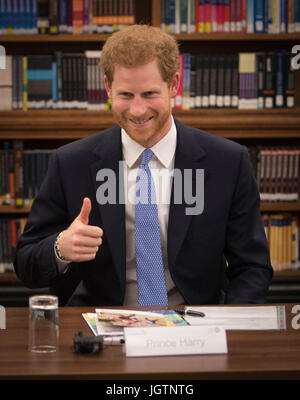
287 275
74 124
223 36
53 38
264 206
280 206
8 277
53 124
14 210
234 123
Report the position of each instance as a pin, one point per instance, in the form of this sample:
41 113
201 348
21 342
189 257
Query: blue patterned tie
149 262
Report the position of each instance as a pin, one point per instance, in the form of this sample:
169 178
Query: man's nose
138 106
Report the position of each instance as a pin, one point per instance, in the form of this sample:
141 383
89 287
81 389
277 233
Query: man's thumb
85 211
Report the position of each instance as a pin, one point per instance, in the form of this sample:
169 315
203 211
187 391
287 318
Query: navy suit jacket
230 225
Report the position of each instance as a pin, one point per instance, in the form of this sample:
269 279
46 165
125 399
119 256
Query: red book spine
200 14
226 24
214 18
77 16
244 16
207 16
220 15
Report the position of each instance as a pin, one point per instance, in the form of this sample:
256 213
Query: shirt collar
164 150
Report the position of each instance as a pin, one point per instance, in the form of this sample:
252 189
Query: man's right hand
81 241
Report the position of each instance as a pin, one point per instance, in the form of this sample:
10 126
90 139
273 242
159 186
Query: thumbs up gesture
81 241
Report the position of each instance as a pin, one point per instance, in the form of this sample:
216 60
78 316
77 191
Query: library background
240 79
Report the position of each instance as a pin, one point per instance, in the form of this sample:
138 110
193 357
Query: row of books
21 173
10 230
75 81
62 81
65 16
277 172
245 81
283 234
23 170
246 16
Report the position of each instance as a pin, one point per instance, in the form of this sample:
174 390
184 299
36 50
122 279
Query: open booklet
111 322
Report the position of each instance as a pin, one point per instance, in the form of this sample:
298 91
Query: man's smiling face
141 102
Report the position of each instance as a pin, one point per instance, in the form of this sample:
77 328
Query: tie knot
147 155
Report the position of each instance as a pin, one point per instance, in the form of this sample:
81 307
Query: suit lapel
188 155
108 154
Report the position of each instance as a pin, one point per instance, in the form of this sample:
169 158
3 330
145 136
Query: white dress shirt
161 166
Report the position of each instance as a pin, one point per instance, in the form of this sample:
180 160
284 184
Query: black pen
192 313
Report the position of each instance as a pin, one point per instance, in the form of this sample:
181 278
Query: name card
165 341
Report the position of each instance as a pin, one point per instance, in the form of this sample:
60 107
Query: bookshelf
279 126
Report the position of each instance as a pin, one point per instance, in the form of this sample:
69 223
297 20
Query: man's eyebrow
123 91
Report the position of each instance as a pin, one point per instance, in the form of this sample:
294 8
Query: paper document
111 322
240 318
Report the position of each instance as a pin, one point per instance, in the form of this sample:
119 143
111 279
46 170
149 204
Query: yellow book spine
201 27
272 242
294 242
289 243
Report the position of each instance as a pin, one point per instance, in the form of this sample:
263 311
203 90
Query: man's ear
107 87
175 84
